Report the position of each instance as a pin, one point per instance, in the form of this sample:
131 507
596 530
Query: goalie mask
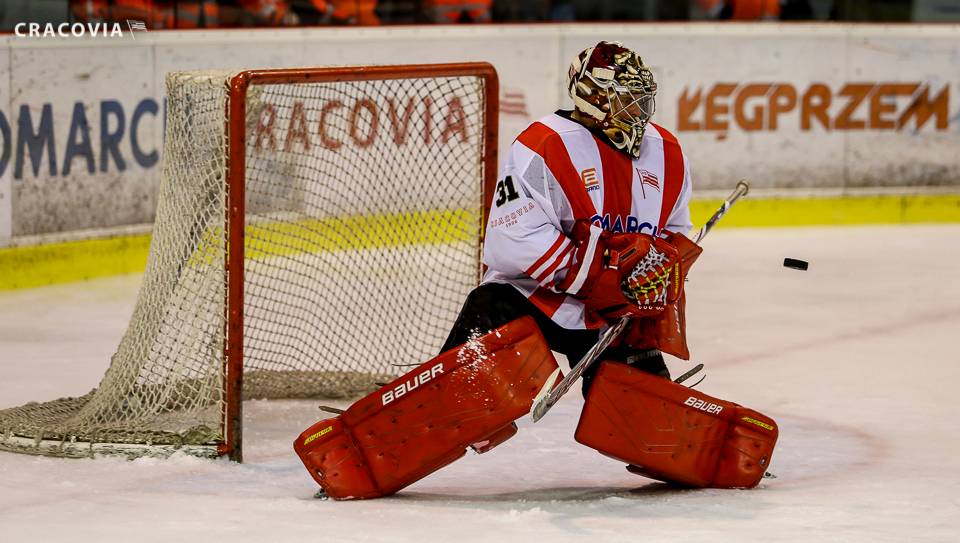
610 84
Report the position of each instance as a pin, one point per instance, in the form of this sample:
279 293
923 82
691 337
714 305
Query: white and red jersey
557 172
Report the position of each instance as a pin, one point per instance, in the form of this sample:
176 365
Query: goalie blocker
674 434
468 396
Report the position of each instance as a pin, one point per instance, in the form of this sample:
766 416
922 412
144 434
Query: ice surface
857 359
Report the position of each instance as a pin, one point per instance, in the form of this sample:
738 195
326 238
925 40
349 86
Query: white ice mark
468 375
473 349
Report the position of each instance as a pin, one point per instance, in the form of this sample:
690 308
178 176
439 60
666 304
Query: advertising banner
809 107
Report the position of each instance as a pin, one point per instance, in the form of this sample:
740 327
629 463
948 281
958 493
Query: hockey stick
543 402
739 191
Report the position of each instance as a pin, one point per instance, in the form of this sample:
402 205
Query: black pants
492 305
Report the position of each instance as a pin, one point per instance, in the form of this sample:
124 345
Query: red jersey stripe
547 301
617 182
556 263
553 248
673 174
544 141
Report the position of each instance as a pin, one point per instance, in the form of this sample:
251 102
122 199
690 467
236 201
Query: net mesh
362 234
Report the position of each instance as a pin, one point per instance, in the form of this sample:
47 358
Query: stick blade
539 409
540 406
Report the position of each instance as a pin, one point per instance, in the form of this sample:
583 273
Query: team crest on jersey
590 180
647 179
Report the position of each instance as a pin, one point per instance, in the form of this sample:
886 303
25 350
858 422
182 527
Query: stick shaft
740 191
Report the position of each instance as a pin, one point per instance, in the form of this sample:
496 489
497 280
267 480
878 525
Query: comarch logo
79 30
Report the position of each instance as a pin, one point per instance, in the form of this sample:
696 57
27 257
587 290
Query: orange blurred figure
347 12
156 14
740 10
457 11
265 13
755 10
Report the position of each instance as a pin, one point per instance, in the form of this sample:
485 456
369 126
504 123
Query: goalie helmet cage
316 229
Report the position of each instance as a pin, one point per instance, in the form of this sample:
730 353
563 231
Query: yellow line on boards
884 209
62 262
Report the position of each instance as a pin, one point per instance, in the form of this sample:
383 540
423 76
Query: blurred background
160 14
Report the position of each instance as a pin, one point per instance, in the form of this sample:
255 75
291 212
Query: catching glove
622 274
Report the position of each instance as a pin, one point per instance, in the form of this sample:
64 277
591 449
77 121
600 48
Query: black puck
795 263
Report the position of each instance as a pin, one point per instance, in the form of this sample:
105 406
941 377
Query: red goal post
236 177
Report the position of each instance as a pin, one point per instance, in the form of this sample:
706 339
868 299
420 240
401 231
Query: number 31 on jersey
506 191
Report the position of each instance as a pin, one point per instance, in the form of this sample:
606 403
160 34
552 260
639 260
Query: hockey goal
316 230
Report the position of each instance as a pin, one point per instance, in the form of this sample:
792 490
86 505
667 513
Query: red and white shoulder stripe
566 148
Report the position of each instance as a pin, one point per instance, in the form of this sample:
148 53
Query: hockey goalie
588 225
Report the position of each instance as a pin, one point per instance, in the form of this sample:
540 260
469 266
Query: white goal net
363 192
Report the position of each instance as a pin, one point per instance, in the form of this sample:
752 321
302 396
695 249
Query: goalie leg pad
674 434
425 419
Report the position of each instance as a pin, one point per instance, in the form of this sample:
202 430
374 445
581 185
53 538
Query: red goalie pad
672 433
424 420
